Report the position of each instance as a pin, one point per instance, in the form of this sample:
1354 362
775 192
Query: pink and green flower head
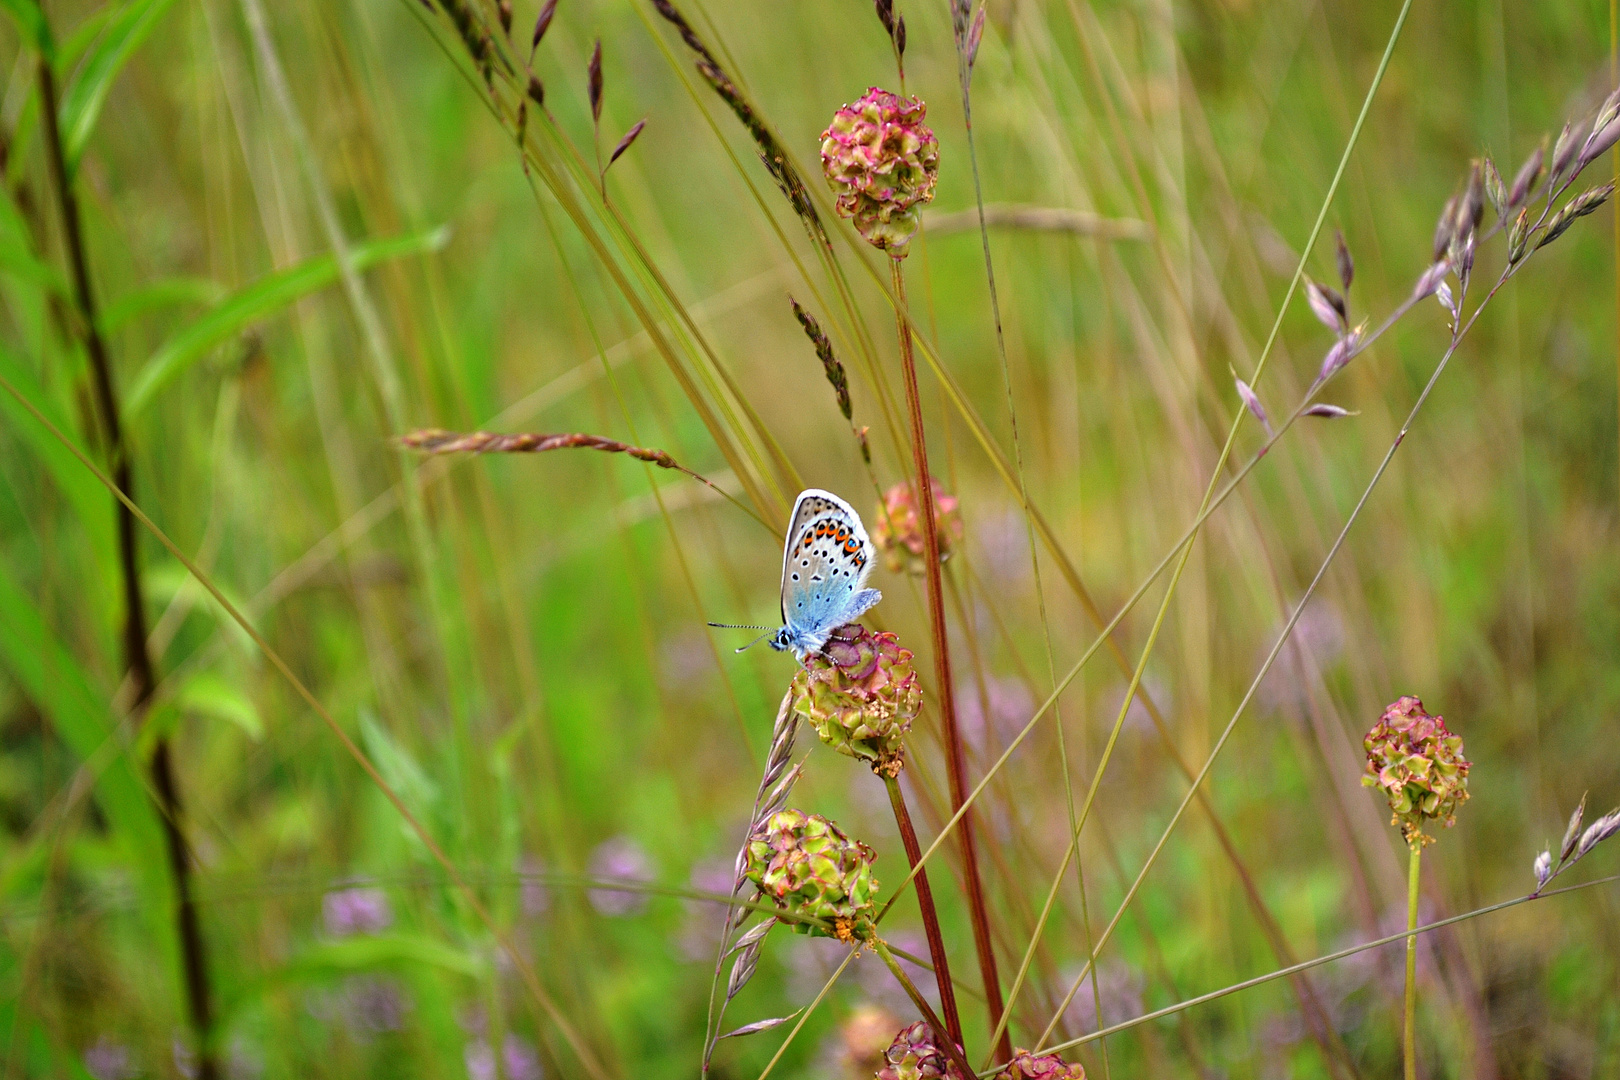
1027 1066
1419 766
807 866
916 1054
881 161
897 529
860 693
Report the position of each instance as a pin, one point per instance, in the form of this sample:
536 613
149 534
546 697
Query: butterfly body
825 563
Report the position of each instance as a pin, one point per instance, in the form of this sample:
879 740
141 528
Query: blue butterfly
826 560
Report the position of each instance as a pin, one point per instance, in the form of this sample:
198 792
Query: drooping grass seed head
807 866
898 528
860 693
881 161
1027 1066
916 1054
1419 765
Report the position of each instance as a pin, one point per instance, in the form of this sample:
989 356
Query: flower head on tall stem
897 530
808 867
1027 1066
916 1054
860 693
881 160
1419 765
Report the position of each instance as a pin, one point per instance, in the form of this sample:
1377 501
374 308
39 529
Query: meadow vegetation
425 376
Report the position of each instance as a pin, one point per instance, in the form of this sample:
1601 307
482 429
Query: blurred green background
518 642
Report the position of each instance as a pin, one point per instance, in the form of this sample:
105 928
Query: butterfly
826 560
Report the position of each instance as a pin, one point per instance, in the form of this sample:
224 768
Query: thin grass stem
1306 965
953 1047
804 1016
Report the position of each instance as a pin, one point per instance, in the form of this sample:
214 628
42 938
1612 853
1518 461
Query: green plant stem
137 658
520 962
953 1049
1410 1010
952 737
925 903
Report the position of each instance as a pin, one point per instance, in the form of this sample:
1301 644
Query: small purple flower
366 1005
107 1060
534 895
619 859
356 910
518 1055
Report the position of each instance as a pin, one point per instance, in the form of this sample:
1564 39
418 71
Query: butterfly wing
825 564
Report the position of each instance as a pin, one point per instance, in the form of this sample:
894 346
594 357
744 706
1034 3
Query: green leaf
125 32
81 713
208 694
265 296
90 501
398 769
30 19
166 293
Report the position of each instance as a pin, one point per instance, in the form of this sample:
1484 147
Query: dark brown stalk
142 677
925 902
954 759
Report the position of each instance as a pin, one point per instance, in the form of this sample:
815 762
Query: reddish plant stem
142 674
955 763
925 902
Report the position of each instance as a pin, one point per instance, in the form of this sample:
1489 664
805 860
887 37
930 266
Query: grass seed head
1419 765
860 693
881 161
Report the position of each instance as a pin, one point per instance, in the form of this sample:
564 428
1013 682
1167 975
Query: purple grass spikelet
1526 177
1252 402
548 11
1431 279
624 143
1564 151
1578 207
1543 870
1342 352
593 79
1328 412
1327 305
1445 228
1342 260
1495 189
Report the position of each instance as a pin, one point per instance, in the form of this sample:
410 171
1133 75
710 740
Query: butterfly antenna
738 626
756 641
